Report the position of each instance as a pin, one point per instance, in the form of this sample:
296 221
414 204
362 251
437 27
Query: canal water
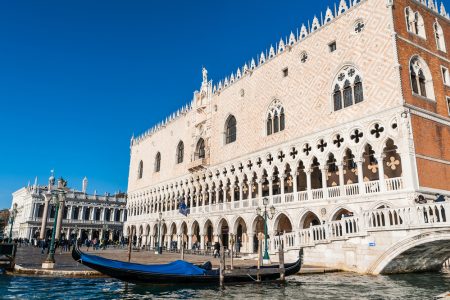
323 286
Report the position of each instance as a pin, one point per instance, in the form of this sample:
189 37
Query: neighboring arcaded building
348 116
82 215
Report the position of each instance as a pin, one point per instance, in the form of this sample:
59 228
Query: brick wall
431 137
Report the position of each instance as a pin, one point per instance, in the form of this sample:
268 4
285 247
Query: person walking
216 249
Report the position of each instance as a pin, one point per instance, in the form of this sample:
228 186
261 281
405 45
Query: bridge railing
416 216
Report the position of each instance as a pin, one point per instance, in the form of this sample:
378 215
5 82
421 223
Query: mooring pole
130 239
281 257
258 276
222 266
182 249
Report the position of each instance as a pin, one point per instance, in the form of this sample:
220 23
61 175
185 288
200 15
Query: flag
184 210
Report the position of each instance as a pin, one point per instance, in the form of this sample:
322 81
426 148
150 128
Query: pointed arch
230 130
275 118
140 169
421 78
180 152
158 162
200 151
347 88
439 36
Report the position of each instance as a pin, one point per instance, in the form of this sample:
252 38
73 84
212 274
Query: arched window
230 130
348 88
421 81
282 119
276 123
348 96
359 94
158 162
337 98
276 119
140 169
180 152
439 35
269 125
414 22
200 149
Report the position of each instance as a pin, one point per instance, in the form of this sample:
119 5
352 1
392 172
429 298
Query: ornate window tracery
348 88
439 36
275 118
420 76
414 22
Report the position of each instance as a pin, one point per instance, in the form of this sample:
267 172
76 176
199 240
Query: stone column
59 219
260 184
44 216
209 199
295 181
341 178
179 241
271 186
362 189
308 183
282 178
202 242
324 170
380 160
232 187
250 242
241 193
189 241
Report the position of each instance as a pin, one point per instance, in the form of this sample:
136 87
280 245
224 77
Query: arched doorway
241 240
309 219
195 236
208 232
258 229
224 232
283 224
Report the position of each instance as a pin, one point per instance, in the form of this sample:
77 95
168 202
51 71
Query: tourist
238 245
439 198
216 249
421 200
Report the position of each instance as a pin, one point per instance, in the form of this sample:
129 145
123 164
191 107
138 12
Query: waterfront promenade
29 260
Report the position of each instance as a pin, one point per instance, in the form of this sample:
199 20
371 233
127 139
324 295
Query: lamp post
159 248
265 215
11 221
56 199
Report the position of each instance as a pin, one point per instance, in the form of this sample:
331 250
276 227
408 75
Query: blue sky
78 78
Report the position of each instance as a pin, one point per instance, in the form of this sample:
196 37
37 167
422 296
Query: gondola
177 272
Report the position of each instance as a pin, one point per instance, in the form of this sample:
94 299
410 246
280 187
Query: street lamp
266 216
57 198
160 221
12 216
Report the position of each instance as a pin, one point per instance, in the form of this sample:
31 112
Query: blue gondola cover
178 267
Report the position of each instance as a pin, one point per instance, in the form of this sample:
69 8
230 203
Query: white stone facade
325 168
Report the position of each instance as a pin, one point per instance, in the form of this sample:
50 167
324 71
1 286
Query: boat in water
180 271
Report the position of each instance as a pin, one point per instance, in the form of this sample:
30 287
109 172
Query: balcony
335 192
198 164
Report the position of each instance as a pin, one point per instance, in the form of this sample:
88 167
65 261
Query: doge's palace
340 126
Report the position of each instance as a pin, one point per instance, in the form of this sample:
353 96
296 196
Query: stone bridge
380 241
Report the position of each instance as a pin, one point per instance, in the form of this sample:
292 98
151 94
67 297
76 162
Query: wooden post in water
258 277
130 242
182 248
222 266
281 258
231 251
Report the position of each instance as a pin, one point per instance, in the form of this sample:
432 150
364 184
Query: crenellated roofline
284 44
